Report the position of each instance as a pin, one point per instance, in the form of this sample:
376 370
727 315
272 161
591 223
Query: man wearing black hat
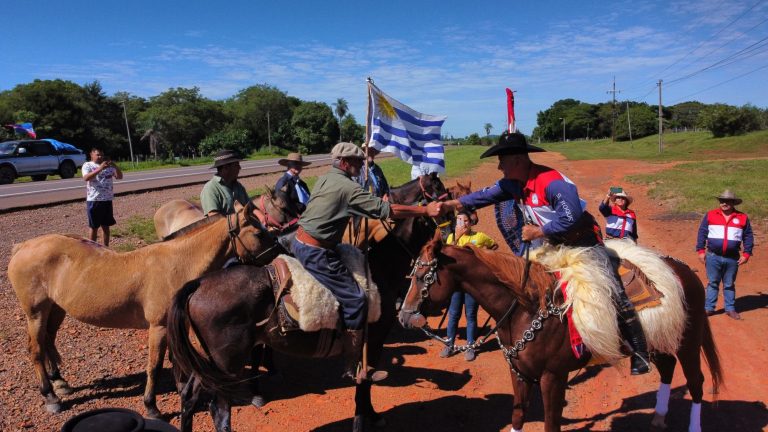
554 213
221 192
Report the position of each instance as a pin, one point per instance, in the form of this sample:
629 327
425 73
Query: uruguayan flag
412 136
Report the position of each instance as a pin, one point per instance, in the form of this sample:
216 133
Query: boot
353 348
632 331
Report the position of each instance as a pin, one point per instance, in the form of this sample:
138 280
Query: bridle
262 233
511 352
271 222
431 196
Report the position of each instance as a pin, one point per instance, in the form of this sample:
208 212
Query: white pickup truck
38 159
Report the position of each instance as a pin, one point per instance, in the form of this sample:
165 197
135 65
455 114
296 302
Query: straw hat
293 158
728 195
622 194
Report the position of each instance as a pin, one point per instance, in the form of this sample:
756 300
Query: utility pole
661 126
629 124
563 119
269 134
588 124
128 131
613 111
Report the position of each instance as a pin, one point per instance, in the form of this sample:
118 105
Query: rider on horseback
551 201
335 198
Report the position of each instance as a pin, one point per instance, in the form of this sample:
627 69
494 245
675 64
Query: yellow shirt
476 239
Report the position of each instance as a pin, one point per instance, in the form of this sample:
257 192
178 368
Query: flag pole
364 358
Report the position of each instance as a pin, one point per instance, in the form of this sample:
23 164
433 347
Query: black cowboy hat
225 157
114 420
510 144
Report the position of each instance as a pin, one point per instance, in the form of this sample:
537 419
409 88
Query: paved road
21 195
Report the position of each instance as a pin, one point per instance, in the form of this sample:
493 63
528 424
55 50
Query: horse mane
509 270
195 226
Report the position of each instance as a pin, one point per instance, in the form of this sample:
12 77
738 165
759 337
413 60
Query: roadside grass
682 146
135 228
693 186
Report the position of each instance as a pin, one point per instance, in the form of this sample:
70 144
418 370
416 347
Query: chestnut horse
244 296
54 275
537 349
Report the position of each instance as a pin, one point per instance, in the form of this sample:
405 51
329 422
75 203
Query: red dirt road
425 392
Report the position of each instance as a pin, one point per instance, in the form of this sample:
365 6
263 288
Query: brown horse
537 349
244 295
175 215
54 275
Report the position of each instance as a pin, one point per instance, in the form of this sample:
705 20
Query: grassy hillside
688 146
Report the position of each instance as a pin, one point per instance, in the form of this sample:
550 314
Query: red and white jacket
723 235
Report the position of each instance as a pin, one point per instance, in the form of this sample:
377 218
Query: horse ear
469 185
238 207
437 241
270 191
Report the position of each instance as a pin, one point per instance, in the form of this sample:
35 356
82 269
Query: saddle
285 308
640 290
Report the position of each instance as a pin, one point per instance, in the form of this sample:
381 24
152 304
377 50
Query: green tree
473 139
351 130
643 120
341 108
315 128
726 120
229 138
183 117
487 128
250 108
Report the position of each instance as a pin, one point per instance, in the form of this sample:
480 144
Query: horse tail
188 359
711 356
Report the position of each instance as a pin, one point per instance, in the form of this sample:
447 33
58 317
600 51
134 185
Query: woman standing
620 221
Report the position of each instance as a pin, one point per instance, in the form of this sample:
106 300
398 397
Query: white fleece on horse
590 284
318 308
664 324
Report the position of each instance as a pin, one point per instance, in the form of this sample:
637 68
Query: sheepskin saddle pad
305 303
587 276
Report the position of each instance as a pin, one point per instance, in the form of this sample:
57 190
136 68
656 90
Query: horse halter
234 237
271 222
431 196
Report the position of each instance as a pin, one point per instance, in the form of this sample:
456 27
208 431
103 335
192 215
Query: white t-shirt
98 188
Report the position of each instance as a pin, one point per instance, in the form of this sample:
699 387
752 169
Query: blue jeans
459 299
720 268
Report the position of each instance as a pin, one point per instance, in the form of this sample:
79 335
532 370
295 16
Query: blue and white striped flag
410 135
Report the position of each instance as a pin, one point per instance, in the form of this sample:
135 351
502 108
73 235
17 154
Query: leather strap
307 239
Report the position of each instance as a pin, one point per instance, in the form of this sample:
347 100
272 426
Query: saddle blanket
316 306
587 281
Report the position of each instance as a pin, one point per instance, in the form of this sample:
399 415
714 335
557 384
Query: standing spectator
221 192
295 188
620 221
374 182
98 174
722 233
463 235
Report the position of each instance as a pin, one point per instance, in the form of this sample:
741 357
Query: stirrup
638 364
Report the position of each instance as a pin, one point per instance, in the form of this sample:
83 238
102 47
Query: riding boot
353 349
632 331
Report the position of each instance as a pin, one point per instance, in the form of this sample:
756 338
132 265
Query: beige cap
347 150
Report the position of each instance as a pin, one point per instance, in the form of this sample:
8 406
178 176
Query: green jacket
220 197
335 198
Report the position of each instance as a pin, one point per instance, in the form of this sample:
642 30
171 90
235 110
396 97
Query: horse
537 349
54 275
174 215
244 295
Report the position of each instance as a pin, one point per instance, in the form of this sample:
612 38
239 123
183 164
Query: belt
307 239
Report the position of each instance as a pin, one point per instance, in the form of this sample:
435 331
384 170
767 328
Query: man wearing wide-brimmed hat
620 220
335 198
724 243
221 192
554 210
291 184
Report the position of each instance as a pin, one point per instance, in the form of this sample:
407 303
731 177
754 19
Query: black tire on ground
39 177
67 170
7 174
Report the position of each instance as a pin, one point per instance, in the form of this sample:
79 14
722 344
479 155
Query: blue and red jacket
550 199
619 223
724 236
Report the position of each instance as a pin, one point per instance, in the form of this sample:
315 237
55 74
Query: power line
727 60
721 83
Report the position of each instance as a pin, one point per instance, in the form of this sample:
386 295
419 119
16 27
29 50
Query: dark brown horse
537 349
227 309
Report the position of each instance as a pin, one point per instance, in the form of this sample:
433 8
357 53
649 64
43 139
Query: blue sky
447 57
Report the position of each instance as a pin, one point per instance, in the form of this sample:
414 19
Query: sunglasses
729 202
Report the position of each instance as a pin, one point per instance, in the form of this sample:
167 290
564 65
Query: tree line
579 120
177 122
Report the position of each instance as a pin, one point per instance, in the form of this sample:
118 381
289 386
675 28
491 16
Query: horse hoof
61 388
154 414
258 401
53 408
